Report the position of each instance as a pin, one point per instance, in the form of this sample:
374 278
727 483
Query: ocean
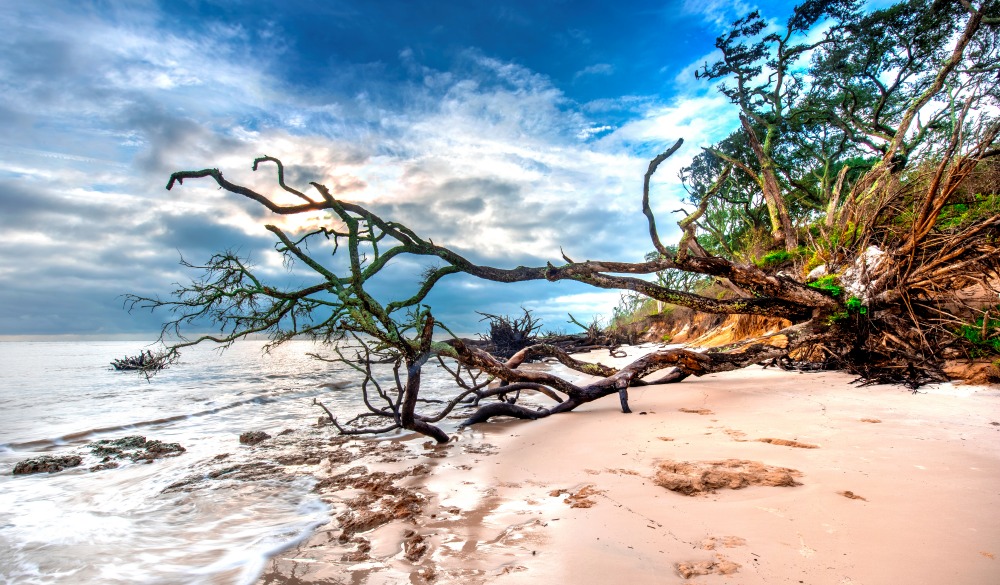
120 525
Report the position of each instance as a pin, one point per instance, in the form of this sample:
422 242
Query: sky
504 130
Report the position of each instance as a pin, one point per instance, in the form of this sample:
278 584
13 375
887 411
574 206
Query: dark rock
46 464
129 442
253 437
134 447
157 449
115 448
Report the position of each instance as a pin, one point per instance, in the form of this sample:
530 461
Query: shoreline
574 498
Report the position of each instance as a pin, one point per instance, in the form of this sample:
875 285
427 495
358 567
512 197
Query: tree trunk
781 224
831 208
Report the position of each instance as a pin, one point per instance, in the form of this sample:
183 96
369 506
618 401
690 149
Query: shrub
983 334
817 259
829 284
854 305
776 257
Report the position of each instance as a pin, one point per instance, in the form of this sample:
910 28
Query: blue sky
505 130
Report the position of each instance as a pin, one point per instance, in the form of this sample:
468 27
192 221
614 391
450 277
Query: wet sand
882 487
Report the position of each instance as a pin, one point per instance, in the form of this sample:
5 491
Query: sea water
120 525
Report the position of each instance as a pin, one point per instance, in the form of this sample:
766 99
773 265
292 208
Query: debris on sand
851 495
789 443
701 411
583 498
698 477
720 566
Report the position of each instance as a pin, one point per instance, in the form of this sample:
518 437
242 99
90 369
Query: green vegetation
817 259
961 214
853 308
983 335
855 305
632 307
776 258
628 321
829 284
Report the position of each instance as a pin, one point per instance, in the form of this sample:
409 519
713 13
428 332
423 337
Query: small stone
253 437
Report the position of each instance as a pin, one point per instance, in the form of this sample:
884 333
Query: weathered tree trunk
831 208
781 223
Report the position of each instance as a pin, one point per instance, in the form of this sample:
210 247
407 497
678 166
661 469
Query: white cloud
596 69
700 121
719 13
587 133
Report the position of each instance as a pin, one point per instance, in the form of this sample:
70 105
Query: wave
85 435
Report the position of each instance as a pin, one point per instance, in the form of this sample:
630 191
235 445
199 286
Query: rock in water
46 464
156 449
134 447
253 437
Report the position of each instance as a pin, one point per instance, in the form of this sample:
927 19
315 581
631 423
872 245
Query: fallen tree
875 313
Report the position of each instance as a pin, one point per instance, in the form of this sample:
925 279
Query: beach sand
892 487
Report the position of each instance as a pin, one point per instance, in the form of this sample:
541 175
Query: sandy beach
868 486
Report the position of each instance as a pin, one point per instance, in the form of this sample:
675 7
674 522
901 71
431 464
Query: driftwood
572 343
509 335
145 361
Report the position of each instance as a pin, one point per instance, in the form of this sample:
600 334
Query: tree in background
760 77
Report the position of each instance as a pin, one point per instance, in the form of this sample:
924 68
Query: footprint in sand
701 411
788 443
738 436
774 511
851 495
714 542
805 550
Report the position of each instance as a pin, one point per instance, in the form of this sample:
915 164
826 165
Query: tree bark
781 224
